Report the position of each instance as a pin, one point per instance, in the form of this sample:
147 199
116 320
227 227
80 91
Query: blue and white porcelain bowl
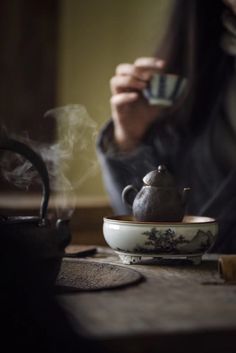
133 240
164 89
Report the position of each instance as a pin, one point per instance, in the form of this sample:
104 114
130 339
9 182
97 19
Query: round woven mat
81 275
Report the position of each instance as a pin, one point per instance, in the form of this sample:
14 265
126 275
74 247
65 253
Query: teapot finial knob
159 177
161 168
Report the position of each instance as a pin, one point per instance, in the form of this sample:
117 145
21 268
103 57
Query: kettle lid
159 177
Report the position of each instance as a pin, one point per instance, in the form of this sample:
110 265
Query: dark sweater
205 162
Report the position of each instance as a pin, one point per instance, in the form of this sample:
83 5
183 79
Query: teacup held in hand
164 89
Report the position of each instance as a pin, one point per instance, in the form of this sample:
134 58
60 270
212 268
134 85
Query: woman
195 139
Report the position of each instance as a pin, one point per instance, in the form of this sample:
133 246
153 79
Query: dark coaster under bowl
81 275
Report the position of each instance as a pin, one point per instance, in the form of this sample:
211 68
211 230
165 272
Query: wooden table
179 307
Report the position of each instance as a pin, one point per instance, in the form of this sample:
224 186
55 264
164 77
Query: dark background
28 68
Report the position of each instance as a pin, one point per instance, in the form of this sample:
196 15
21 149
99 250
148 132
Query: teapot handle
127 195
37 161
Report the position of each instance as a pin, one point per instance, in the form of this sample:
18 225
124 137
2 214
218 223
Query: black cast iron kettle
31 246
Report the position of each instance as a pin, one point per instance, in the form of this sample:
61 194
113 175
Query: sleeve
119 169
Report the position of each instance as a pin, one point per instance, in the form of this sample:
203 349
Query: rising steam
76 132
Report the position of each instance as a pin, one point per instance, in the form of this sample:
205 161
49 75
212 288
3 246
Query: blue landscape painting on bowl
168 242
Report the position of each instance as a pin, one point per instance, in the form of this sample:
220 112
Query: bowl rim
187 220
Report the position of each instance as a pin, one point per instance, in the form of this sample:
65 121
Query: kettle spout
64 233
185 194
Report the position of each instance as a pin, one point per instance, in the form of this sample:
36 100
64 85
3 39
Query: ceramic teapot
159 200
32 246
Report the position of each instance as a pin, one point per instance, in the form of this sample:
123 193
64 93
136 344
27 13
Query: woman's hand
131 112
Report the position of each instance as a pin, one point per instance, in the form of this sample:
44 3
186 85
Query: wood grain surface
177 303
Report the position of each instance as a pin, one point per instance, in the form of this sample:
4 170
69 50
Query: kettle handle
126 193
37 161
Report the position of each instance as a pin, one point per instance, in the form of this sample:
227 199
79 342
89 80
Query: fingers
125 69
135 76
122 99
145 63
131 70
147 67
149 62
140 66
126 83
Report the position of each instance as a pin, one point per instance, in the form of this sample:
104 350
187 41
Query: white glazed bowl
194 235
164 89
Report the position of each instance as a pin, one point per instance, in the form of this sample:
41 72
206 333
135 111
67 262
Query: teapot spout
185 194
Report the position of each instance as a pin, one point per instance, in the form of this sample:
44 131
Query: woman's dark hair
191 47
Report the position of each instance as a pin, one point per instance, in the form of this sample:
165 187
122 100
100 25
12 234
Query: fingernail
160 63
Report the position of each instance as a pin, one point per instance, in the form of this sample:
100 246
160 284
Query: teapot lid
159 177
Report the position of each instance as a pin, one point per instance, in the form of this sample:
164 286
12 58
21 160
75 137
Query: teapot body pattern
158 200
